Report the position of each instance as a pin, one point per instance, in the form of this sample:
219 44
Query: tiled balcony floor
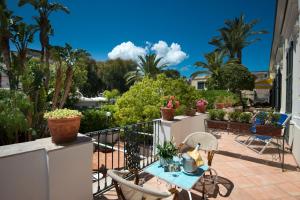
244 174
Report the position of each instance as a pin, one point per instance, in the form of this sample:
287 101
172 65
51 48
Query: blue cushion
262 137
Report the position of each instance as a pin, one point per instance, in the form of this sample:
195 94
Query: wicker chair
127 190
209 144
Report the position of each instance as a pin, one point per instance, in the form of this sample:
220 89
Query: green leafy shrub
234 116
212 95
93 120
212 114
262 117
245 117
15 109
113 94
142 101
220 114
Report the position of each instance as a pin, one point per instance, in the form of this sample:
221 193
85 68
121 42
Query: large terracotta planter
64 130
201 109
239 127
167 113
268 130
219 105
216 124
190 112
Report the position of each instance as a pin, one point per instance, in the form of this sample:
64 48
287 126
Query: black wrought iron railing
131 146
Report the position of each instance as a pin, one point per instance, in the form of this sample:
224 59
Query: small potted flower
168 109
219 103
166 151
63 124
201 105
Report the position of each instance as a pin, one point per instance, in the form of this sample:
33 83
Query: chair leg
250 139
266 144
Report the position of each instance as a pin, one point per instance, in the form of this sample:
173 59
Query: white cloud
126 51
172 55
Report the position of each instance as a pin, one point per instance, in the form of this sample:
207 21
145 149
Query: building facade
199 82
285 67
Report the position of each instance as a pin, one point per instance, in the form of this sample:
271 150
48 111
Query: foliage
143 100
15 108
211 95
171 73
262 117
111 95
201 102
237 78
167 150
62 113
149 65
111 73
93 120
234 116
235 36
245 117
212 114
220 114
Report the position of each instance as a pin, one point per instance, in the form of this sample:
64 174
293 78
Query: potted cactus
168 109
63 124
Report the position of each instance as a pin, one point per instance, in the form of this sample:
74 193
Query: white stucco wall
181 127
41 170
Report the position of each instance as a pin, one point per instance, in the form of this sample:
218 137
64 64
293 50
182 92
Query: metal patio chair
266 139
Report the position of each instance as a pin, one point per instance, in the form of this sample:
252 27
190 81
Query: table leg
190 195
282 162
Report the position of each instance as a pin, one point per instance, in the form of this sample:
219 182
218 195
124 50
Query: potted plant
190 110
201 105
216 119
268 124
219 103
63 124
168 109
228 101
166 152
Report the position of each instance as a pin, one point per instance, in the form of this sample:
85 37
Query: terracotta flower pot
167 113
219 105
64 130
190 112
201 109
227 105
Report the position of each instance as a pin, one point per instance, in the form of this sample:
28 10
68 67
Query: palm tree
45 8
213 66
7 20
236 35
149 65
22 35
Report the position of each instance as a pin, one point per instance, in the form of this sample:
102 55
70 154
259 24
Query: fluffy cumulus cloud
126 51
171 55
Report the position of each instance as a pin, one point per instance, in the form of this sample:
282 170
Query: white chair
127 190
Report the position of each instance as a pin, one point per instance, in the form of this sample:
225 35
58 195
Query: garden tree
45 9
73 59
7 20
235 36
213 66
143 100
149 65
93 84
112 73
171 73
237 78
22 35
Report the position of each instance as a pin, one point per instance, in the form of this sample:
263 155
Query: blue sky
101 25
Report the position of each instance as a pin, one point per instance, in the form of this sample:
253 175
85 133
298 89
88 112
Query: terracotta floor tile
291 188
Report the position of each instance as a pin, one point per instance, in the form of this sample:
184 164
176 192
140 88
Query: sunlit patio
242 174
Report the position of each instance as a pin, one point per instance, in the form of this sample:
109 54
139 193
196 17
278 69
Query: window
289 79
201 85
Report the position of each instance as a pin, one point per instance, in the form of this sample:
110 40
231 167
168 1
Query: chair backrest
208 142
131 191
283 119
